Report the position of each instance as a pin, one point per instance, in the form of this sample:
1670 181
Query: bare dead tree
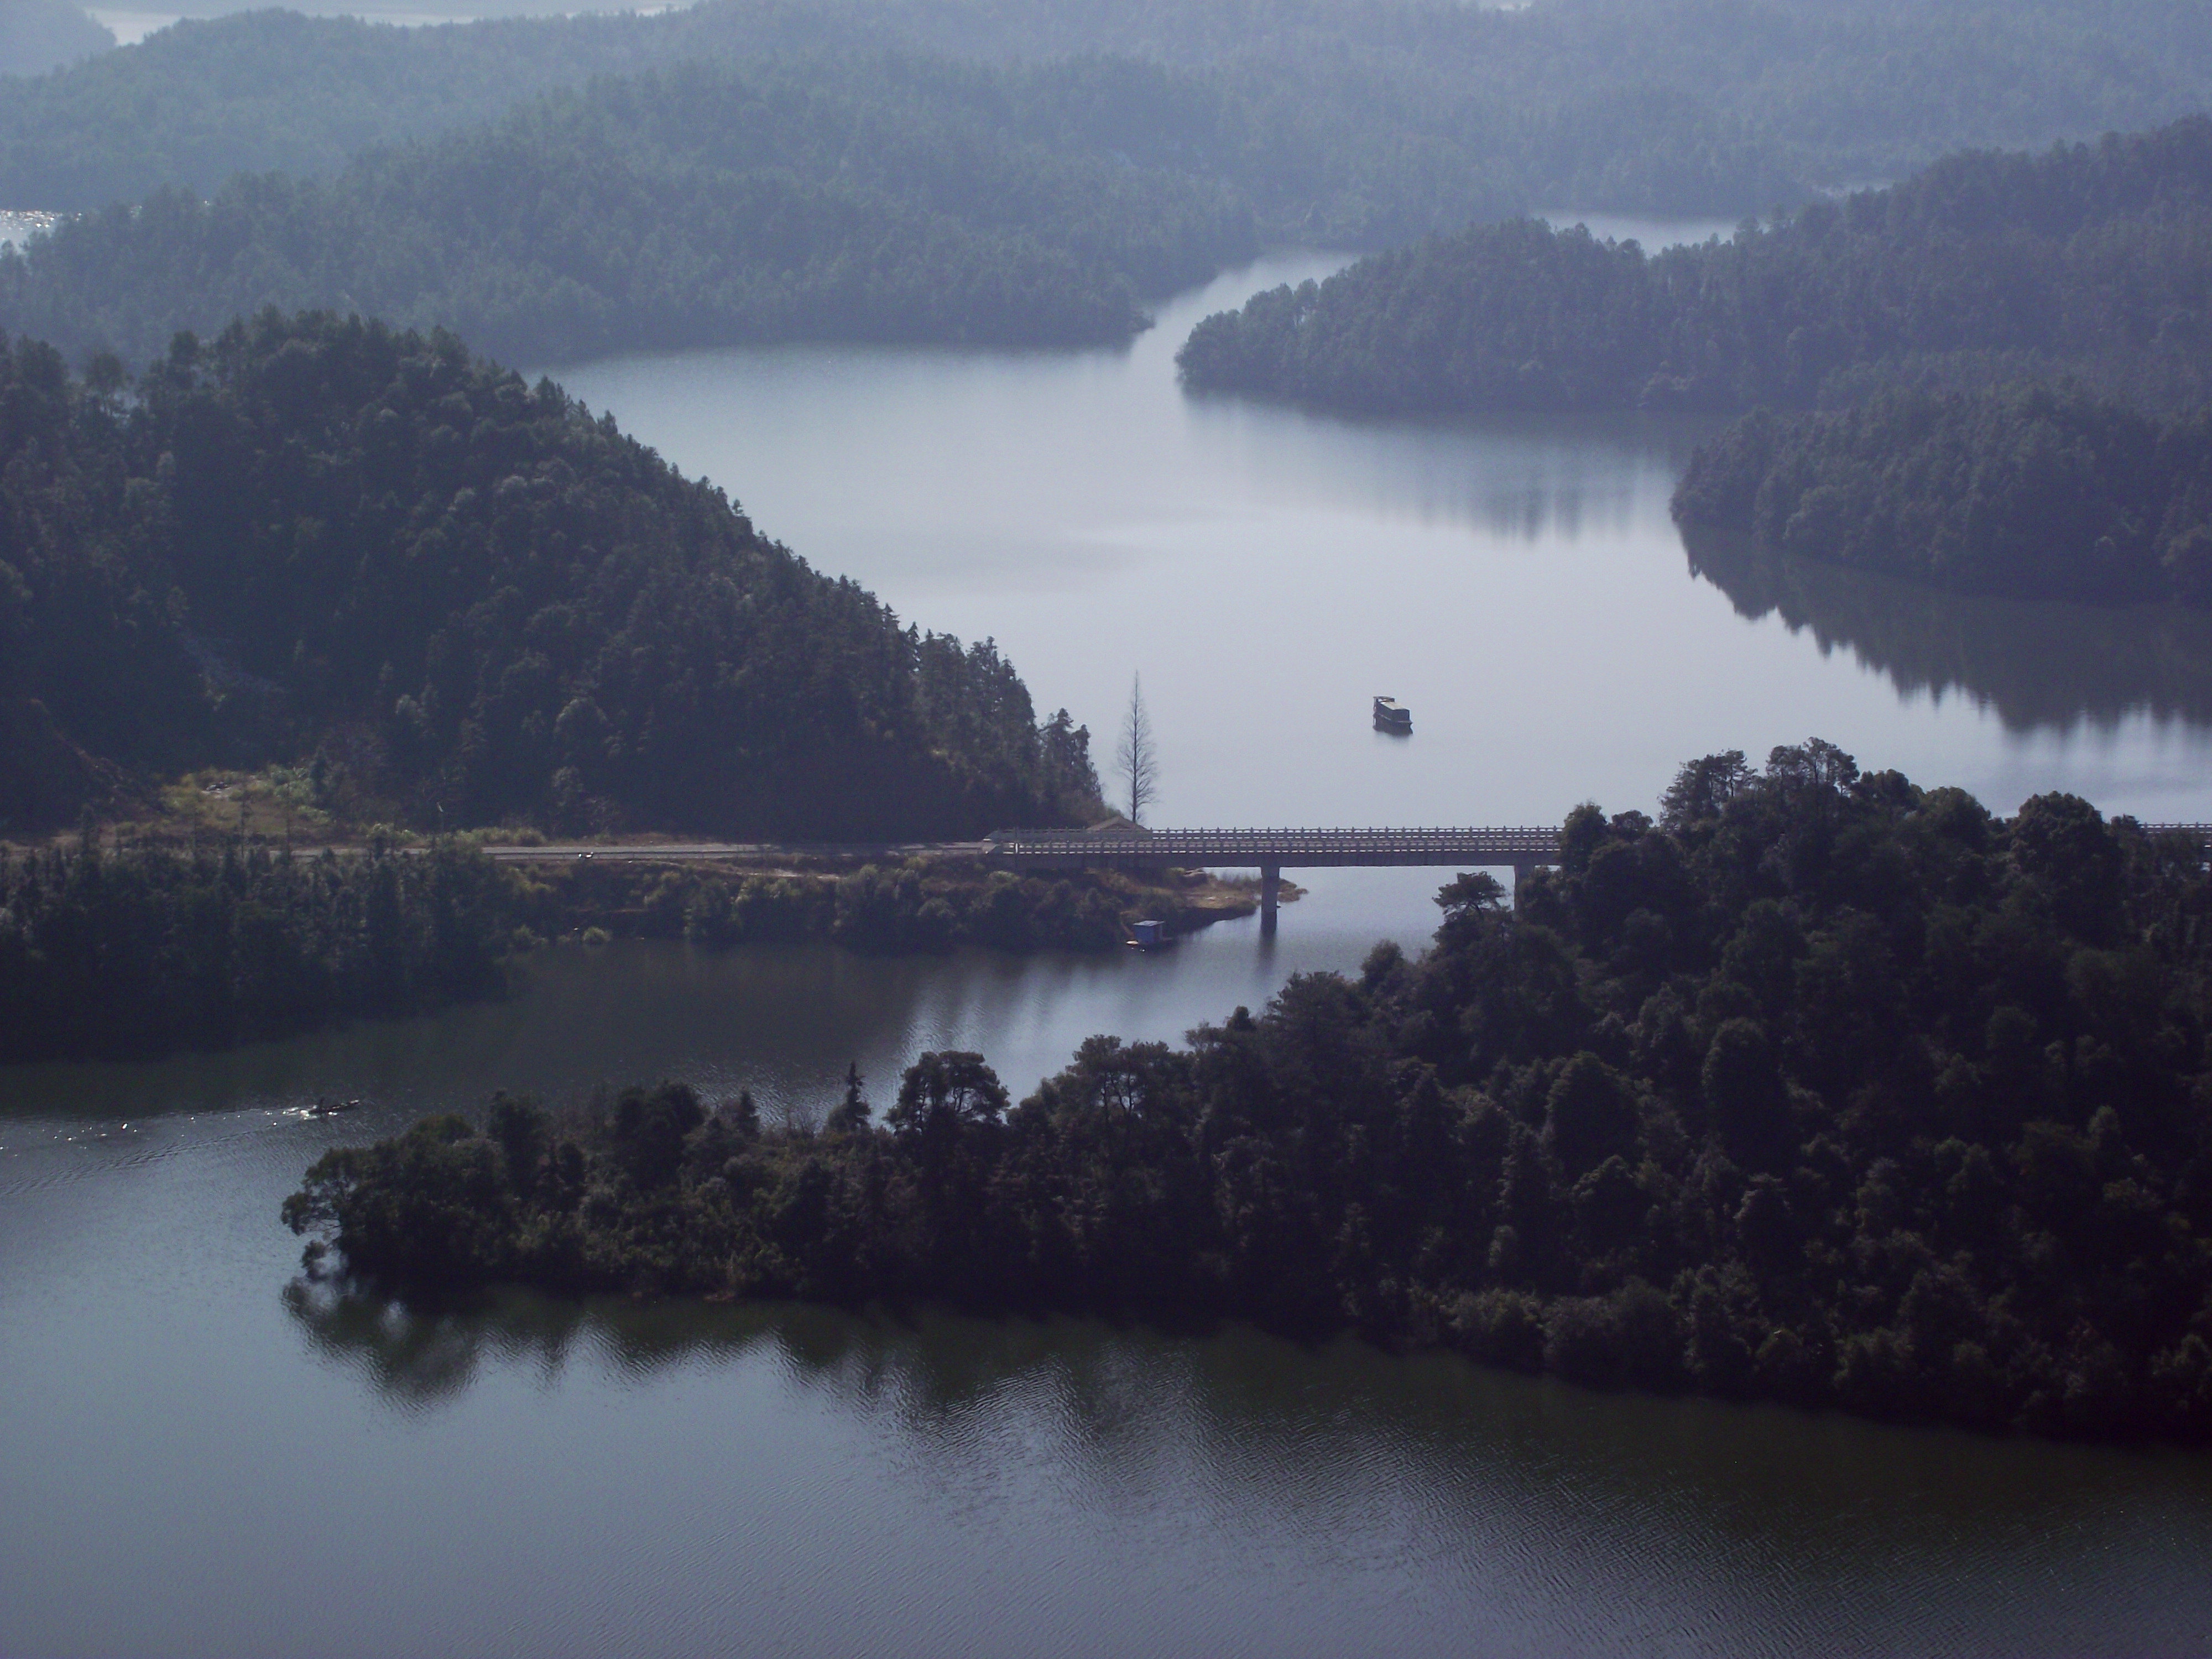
1135 757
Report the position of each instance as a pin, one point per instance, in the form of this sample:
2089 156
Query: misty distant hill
1004 172
37 36
440 11
1358 122
896 200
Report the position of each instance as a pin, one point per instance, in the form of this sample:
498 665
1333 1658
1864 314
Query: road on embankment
746 852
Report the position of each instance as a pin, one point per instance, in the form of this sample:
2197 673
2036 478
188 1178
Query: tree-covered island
2086 260
1821 1087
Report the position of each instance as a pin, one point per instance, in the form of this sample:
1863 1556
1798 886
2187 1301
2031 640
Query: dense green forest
2095 259
893 202
134 954
1822 1087
1007 172
1342 122
2037 492
368 554
200 101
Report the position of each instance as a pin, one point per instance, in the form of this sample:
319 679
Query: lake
1517 581
203 1454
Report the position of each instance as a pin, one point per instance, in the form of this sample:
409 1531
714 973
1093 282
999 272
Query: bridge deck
1495 846
1498 844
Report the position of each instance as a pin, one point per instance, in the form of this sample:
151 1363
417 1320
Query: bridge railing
1473 845
1498 843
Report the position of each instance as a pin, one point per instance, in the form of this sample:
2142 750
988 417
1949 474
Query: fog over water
308 1474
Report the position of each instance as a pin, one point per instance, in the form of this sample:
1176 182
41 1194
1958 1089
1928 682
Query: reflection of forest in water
2035 663
1300 1435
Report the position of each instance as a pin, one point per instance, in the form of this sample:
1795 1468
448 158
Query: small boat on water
1150 936
1393 717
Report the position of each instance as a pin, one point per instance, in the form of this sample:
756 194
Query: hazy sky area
130 24
399 8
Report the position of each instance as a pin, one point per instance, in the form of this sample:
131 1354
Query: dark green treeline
367 552
1822 1087
2035 492
2093 259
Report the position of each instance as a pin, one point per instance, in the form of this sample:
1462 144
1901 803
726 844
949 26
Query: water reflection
1547 1516
782 1020
2037 664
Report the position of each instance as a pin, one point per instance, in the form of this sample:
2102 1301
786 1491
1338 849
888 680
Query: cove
1518 581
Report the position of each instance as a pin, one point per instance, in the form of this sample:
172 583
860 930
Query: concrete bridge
1519 848
1271 852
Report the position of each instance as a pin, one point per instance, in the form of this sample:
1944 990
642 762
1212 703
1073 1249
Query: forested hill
895 200
1355 122
2035 492
1000 172
1823 1087
365 551
199 100
2093 259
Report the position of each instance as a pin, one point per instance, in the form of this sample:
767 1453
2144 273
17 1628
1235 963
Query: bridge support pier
1271 887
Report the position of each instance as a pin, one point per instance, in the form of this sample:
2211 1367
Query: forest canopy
1820 1087
2093 259
1341 123
2036 492
1000 172
363 550
898 200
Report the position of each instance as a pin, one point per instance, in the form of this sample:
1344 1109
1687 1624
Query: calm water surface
1518 582
201 1455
